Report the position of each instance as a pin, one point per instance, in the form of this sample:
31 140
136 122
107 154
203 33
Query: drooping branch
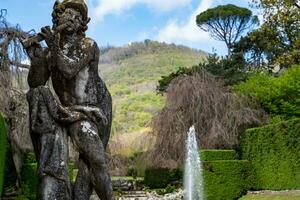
11 50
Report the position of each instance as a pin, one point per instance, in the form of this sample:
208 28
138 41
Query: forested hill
132 72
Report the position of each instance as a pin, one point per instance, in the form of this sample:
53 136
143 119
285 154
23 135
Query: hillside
131 74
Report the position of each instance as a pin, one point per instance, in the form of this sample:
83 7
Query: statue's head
72 12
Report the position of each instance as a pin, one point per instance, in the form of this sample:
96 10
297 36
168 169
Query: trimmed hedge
3 148
274 151
226 180
215 154
223 179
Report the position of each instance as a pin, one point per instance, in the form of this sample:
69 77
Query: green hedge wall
226 179
3 148
274 151
215 154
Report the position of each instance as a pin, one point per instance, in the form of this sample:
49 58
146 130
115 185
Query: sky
119 22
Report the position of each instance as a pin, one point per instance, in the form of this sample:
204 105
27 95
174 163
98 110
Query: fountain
193 180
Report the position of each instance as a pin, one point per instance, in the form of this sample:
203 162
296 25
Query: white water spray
193 180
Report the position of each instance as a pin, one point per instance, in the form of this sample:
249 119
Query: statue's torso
86 87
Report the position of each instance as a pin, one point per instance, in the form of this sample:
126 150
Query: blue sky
119 22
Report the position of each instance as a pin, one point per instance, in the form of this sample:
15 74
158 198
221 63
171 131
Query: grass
287 195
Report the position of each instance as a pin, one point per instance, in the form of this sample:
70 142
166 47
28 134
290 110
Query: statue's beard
70 30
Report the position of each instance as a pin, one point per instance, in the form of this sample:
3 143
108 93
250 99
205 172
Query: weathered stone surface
83 110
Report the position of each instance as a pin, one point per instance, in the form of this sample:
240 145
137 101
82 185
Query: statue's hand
93 113
31 51
52 38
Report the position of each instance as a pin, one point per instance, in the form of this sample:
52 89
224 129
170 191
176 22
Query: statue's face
73 18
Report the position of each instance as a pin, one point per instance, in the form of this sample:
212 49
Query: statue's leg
82 189
51 188
85 137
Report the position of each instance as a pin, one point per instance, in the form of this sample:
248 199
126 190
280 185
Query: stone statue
82 111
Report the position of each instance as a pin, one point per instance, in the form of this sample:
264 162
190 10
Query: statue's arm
69 66
39 72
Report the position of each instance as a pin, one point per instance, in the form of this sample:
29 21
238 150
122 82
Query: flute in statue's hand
39 37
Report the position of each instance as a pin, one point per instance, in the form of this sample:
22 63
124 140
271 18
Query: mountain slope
131 74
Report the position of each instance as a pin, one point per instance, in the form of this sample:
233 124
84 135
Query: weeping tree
218 115
226 23
12 99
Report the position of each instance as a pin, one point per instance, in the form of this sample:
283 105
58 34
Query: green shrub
215 154
274 153
161 177
29 181
226 179
277 95
3 148
30 158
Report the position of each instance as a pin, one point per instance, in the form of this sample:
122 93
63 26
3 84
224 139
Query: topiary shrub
274 153
3 147
226 179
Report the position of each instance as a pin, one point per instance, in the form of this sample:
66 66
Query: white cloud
106 7
188 31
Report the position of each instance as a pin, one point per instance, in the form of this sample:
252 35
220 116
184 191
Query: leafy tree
260 47
279 96
226 23
231 70
284 18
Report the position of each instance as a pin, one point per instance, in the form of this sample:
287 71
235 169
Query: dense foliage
3 147
226 179
280 32
162 177
279 96
214 154
226 23
274 153
260 47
